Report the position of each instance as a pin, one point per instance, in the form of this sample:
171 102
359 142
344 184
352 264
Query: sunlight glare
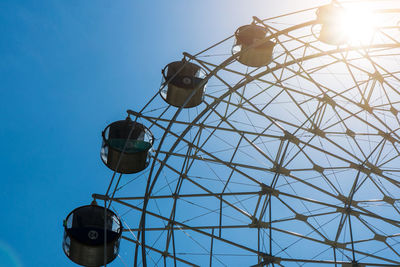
359 24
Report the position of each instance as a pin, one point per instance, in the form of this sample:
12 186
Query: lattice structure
294 163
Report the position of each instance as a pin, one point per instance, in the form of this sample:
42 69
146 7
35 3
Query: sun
355 24
358 24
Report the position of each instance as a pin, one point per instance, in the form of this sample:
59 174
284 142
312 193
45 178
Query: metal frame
267 145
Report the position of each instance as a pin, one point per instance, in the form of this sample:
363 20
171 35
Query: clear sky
69 68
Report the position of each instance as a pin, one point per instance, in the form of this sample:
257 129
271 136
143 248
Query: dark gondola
184 79
253 55
126 146
86 232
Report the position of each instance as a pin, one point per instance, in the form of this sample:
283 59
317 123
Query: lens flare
8 256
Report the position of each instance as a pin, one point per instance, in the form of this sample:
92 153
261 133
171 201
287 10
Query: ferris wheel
278 146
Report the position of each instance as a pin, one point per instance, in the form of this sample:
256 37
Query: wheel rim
316 135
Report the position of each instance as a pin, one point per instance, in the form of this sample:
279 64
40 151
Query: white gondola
330 18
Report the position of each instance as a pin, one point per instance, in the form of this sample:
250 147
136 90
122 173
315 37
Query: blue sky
69 68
